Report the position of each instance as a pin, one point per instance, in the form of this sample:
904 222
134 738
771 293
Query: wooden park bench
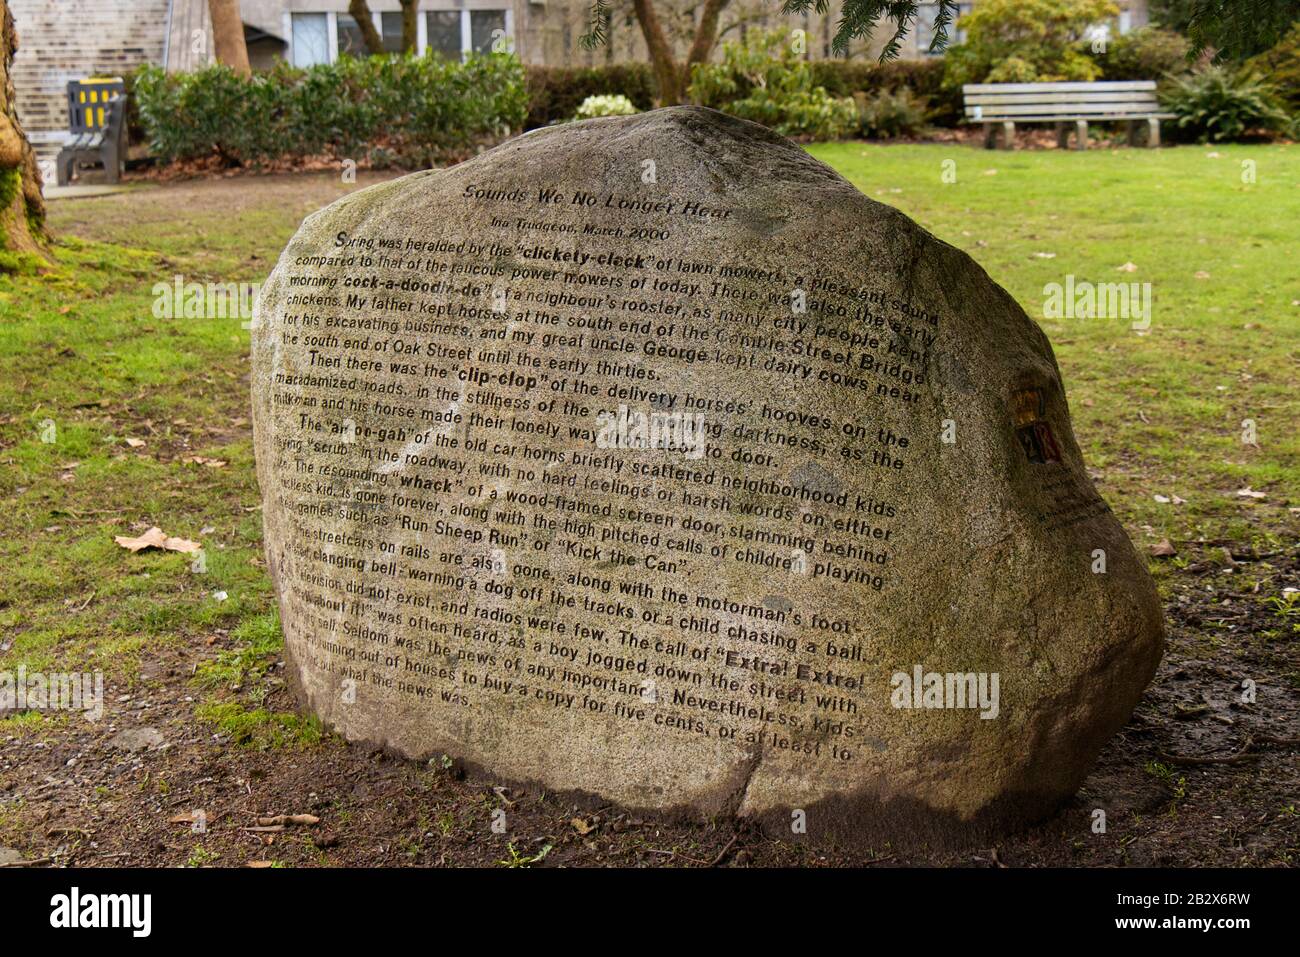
1006 104
97 124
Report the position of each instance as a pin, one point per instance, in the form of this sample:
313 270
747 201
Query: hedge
922 77
555 93
407 111
415 112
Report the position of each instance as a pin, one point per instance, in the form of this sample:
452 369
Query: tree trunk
674 78
360 11
706 34
665 66
22 210
410 25
228 35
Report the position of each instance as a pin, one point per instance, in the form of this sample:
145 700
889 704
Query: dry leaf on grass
581 826
156 538
204 460
1163 549
135 443
279 820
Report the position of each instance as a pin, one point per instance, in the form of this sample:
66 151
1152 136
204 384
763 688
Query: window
452 34
310 39
390 30
925 16
485 27
351 40
443 29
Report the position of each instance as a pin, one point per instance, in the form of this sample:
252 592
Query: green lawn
1159 413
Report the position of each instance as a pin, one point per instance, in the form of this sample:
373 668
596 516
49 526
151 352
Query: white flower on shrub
610 104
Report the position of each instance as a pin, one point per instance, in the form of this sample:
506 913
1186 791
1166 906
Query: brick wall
62 40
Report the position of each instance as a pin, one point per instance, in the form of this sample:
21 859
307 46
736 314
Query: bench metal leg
63 167
112 162
990 136
1080 134
1062 136
1153 132
1008 135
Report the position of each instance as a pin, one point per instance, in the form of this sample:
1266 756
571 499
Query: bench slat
1064 118
1122 96
1070 87
1083 109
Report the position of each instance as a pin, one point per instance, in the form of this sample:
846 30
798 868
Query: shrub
1027 41
1148 53
1281 67
611 104
891 113
1219 104
764 80
924 78
407 110
555 93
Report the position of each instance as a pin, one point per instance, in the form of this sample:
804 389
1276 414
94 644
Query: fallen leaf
135 443
156 538
1163 549
581 826
1127 267
1202 274
1250 493
204 460
1044 255
279 820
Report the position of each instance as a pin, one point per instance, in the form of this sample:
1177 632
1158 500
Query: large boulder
646 458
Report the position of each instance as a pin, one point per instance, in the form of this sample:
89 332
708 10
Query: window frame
422 27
